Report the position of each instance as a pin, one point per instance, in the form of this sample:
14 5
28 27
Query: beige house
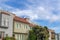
51 34
21 28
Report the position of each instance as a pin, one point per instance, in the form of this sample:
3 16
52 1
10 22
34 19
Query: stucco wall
22 28
8 30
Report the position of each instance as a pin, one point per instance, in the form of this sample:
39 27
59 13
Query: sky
42 12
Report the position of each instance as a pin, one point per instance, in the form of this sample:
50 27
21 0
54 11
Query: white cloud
2 1
40 14
28 13
41 8
37 12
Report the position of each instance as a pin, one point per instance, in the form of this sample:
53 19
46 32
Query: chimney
27 19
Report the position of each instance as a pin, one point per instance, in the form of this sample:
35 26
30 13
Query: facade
21 28
6 24
51 34
57 36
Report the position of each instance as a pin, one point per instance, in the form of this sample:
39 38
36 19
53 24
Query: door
1 35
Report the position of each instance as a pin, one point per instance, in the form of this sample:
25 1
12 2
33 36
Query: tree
46 33
32 35
39 33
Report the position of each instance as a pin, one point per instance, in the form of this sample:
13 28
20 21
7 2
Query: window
6 22
26 26
30 27
17 25
17 36
20 37
0 34
20 25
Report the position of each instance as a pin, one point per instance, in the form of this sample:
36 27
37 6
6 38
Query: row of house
11 24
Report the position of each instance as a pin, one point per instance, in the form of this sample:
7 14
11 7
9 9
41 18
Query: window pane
17 25
0 34
26 26
20 25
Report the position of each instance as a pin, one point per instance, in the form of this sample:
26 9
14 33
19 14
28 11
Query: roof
51 30
16 18
6 13
32 25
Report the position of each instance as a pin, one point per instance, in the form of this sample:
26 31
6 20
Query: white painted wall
8 30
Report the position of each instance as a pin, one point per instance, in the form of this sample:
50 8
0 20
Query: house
51 34
6 24
57 36
21 28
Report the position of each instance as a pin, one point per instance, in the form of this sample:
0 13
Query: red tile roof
51 30
16 18
5 13
31 25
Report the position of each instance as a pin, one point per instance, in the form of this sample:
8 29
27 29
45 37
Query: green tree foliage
39 33
32 35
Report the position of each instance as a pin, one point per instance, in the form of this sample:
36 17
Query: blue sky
42 12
